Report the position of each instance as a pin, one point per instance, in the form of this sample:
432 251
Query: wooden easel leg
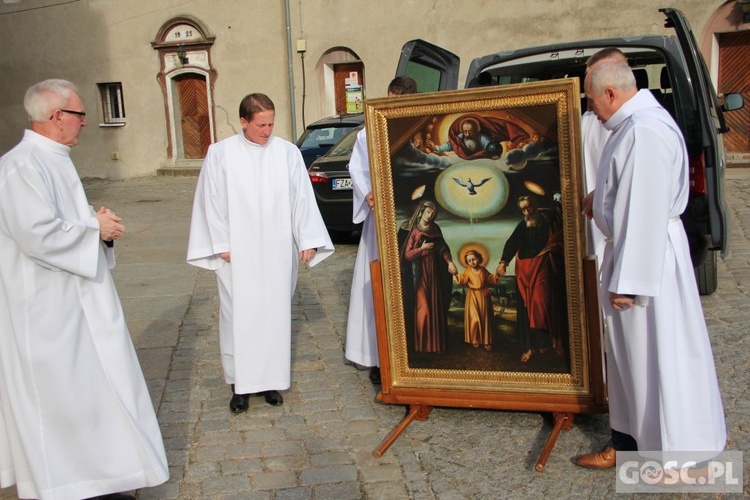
562 421
416 412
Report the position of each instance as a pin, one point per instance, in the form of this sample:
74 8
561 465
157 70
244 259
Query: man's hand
500 271
588 205
621 302
452 268
109 224
225 256
306 255
370 201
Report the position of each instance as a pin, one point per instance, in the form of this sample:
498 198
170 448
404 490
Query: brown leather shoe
604 459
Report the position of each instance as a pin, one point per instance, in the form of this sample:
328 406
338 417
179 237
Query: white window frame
113 105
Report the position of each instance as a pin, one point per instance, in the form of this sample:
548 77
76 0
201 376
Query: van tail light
318 177
697 174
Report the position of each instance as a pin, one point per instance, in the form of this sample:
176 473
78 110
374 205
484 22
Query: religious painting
481 239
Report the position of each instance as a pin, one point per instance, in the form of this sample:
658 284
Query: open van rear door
712 123
432 67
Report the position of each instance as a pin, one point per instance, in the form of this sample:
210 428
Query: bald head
612 53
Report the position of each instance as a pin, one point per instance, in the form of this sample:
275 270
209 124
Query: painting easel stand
416 412
563 421
420 408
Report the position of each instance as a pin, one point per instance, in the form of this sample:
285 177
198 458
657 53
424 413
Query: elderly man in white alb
663 391
76 419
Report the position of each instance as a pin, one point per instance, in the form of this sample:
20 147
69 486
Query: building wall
94 41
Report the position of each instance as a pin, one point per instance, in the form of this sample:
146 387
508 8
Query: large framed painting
484 296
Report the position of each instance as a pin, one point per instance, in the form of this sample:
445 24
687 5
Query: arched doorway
187 82
191 115
337 70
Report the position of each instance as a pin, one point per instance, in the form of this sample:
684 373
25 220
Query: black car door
712 124
432 67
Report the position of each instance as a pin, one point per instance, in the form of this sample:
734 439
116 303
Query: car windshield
345 146
322 137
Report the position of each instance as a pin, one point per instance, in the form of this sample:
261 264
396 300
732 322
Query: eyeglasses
80 114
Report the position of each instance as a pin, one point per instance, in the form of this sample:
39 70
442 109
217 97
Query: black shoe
375 375
239 402
273 398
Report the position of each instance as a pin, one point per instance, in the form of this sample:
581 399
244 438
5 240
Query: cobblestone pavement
320 443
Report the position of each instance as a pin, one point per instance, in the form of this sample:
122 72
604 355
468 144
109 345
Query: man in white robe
254 219
594 136
76 419
361 336
663 391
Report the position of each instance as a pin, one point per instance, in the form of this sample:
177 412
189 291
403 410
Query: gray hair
611 73
44 97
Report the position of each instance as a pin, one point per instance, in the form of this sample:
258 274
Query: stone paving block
274 480
213 453
174 417
364 415
286 462
362 427
201 471
241 466
329 415
330 458
250 422
330 474
225 437
294 494
393 490
281 447
177 443
318 394
213 425
244 450
381 473
339 491
225 484
246 495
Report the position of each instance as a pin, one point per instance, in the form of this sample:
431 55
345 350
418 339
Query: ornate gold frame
581 389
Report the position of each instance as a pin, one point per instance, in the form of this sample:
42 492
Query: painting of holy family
481 239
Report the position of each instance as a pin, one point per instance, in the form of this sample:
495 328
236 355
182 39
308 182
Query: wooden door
340 73
195 125
734 61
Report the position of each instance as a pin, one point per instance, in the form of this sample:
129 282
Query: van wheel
707 274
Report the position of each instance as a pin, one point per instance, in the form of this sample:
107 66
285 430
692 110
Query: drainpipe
292 107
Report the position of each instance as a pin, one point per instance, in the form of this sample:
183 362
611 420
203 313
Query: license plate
340 184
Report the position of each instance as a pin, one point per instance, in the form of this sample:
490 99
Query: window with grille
113 105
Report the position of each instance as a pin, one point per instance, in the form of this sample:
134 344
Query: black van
670 66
